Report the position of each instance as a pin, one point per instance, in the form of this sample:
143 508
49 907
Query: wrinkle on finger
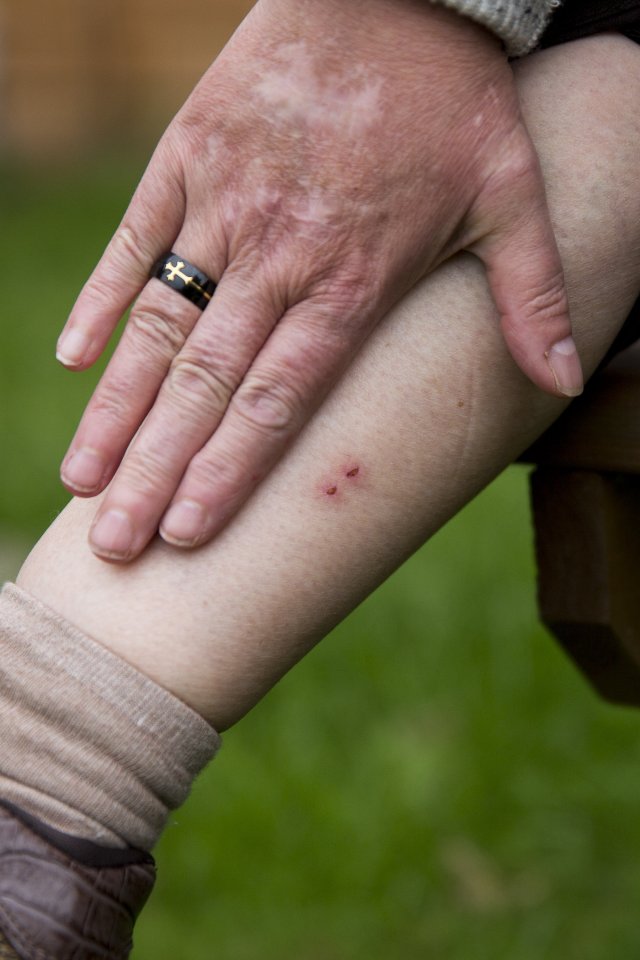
200 391
268 404
153 332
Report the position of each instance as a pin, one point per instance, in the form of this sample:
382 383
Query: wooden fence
76 75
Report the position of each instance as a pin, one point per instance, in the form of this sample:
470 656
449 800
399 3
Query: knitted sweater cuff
518 23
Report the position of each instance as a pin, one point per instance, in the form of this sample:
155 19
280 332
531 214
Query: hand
335 152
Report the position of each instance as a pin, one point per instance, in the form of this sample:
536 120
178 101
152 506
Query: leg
431 411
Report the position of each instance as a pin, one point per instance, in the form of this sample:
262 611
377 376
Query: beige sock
87 743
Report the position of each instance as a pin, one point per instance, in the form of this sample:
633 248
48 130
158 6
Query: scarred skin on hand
335 152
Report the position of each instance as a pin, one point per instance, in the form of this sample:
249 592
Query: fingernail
85 470
184 523
72 347
112 535
565 366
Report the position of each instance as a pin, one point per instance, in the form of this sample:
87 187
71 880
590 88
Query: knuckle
515 168
110 405
547 303
341 296
125 251
127 245
543 309
145 473
154 329
192 382
219 472
267 403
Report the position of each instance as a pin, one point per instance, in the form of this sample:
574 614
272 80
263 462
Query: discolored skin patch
299 89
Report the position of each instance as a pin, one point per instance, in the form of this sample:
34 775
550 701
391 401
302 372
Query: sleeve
518 23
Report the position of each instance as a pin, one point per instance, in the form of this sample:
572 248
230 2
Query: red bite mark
353 472
331 491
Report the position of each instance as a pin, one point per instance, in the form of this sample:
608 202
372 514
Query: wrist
402 34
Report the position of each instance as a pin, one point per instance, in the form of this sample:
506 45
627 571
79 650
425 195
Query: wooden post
586 511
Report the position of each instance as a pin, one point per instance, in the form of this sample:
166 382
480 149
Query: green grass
435 780
53 231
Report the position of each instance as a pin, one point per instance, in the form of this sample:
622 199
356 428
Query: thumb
526 279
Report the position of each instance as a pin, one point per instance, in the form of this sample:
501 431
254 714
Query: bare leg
430 412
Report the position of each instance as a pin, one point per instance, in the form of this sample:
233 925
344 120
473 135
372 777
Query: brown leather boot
62 898
6 950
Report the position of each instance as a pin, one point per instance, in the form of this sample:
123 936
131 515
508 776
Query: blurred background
435 780
81 75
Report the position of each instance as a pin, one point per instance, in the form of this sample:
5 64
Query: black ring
184 278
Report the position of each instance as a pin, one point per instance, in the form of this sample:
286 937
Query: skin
335 152
432 408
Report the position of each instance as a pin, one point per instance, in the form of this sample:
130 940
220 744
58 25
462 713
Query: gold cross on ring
175 270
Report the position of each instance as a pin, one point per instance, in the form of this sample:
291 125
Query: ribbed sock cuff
518 23
90 745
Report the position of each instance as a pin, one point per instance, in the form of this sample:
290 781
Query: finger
158 326
147 231
191 403
527 283
292 374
